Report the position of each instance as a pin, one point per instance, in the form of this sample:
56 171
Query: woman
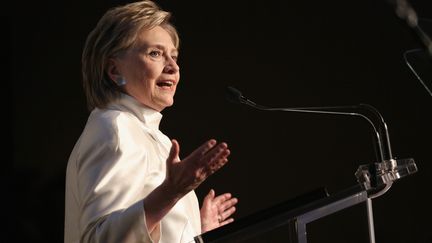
125 181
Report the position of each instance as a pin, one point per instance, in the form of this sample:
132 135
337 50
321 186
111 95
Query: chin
170 104
166 104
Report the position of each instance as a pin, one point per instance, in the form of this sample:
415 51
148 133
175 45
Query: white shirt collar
147 115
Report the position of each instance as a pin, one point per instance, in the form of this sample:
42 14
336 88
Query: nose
171 66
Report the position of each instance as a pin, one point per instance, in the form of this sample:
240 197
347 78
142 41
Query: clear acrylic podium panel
288 221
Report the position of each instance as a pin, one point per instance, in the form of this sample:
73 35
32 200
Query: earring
121 81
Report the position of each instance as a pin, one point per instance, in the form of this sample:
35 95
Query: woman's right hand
187 174
182 177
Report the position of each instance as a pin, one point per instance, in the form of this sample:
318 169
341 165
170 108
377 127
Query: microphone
234 95
406 12
384 172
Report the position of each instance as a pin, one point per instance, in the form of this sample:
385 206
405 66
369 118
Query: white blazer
118 160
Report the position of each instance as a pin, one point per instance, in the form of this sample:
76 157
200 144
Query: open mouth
165 83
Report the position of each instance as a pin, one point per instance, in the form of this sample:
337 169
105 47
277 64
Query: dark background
279 53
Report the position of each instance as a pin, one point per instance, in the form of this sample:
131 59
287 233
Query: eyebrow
159 46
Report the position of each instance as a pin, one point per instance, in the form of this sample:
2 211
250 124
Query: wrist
158 203
170 191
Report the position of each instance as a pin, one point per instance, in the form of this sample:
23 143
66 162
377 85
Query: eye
174 58
155 53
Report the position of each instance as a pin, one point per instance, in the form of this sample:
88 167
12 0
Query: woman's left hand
217 211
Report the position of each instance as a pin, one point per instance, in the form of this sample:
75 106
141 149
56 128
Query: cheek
151 70
142 75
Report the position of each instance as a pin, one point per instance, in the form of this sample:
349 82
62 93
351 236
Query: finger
208 170
216 162
215 154
227 204
211 194
212 153
215 150
228 213
227 221
221 145
207 146
174 152
208 199
203 149
222 198
211 169
207 165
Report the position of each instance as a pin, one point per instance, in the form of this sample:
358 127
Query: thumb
174 153
210 195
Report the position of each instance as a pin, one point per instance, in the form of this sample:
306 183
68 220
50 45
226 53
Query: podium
308 207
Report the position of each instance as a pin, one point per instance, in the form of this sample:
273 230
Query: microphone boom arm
367 112
376 178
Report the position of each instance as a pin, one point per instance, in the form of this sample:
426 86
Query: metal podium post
325 210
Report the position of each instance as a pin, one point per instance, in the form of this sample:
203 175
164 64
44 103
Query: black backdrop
279 53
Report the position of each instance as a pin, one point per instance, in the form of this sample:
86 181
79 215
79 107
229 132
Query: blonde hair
116 32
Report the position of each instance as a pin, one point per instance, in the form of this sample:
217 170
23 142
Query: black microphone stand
374 178
406 12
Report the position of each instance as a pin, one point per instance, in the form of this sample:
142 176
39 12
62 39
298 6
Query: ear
113 71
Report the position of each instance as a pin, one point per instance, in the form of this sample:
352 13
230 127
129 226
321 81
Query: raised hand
187 174
217 211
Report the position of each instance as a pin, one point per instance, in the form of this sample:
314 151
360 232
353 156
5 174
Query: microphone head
234 95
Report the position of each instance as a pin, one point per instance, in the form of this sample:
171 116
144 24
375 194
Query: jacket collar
147 115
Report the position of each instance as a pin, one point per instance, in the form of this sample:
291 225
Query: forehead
156 36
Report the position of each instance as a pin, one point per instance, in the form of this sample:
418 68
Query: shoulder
112 126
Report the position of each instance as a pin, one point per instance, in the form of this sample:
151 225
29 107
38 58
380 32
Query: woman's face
150 69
